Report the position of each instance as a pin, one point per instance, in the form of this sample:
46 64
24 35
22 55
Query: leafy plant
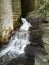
45 9
46 57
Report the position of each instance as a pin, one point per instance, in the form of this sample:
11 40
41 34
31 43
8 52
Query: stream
17 44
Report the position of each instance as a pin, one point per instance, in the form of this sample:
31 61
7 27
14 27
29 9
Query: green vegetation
47 58
45 9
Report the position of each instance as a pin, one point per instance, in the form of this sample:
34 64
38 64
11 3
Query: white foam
18 42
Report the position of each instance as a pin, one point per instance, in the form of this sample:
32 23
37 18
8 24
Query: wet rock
35 31
21 61
34 23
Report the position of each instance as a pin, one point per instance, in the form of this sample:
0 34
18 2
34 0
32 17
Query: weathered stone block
16 5
6 20
10 10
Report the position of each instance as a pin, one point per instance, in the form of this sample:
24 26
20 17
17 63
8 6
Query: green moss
46 57
45 9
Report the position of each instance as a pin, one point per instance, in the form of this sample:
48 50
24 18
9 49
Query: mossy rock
36 15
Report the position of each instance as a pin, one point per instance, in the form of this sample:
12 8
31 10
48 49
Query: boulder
45 36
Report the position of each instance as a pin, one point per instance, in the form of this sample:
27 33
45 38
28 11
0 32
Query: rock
16 5
36 15
46 48
6 20
10 12
45 36
36 62
40 63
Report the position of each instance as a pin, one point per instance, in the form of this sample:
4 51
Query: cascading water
16 44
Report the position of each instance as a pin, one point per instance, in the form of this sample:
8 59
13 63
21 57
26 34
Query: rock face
45 37
16 5
6 20
10 11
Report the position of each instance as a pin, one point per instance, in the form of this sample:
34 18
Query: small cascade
16 44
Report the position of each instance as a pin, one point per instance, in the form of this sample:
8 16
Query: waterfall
17 42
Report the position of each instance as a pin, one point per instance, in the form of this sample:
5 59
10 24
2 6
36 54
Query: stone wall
6 20
16 6
10 12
